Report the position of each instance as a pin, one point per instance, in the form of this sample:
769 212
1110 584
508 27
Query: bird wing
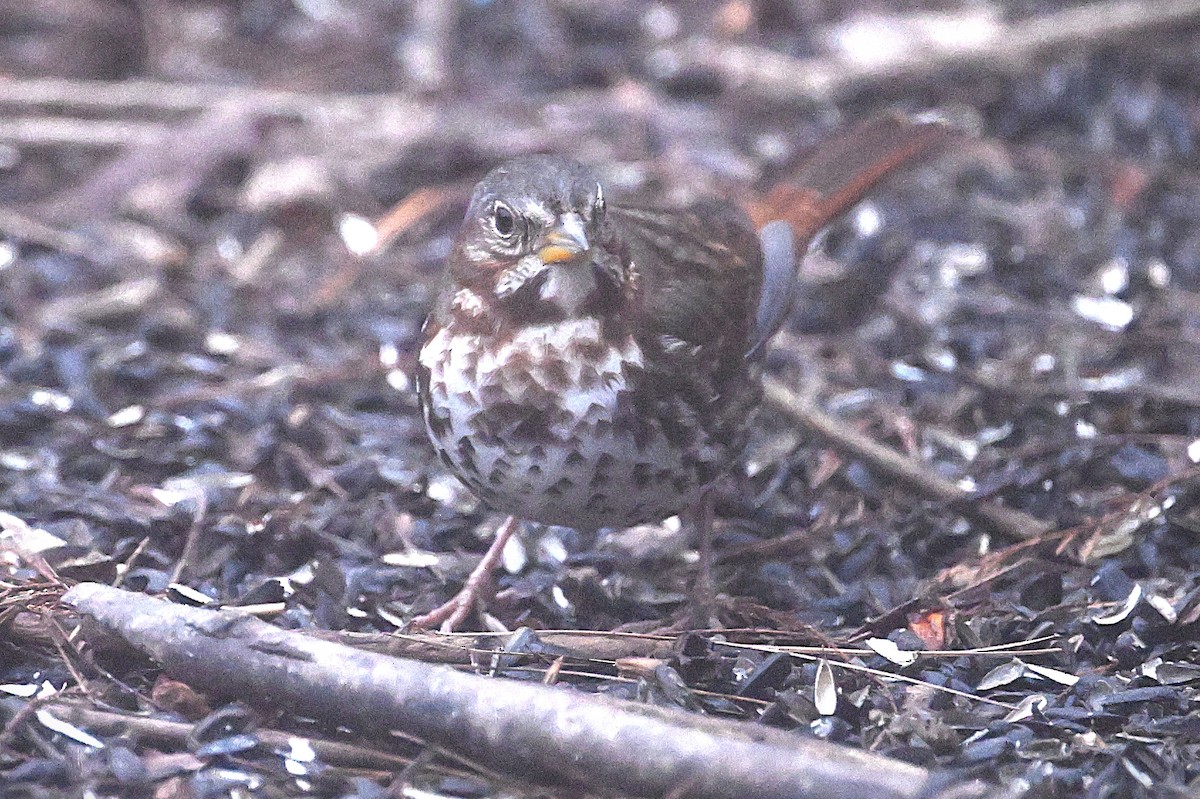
699 270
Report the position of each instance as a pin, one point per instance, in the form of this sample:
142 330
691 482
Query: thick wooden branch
536 733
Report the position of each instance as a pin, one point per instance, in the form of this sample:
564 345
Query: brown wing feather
699 270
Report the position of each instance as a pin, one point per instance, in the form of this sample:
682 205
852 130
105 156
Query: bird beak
566 241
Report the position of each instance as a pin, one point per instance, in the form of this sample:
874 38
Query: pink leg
454 612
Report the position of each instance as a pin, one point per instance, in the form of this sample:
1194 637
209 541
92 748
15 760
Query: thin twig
50 131
880 673
192 544
160 96
27 228
909 473
332 752
128 564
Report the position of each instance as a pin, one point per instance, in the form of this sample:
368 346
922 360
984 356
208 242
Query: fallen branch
911 474
998 48
533 732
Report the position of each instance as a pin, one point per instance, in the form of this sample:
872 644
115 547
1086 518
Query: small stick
163 96
909 473
94 133
334 753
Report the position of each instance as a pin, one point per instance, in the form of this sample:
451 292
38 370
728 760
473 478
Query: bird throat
568 287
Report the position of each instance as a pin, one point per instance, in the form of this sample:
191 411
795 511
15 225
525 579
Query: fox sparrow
593 365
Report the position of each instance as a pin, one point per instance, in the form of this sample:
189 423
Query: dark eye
504 220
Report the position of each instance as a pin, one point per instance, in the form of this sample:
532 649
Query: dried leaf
180 697
188 595
1117 535
23 539
414 558
930 628
1164 607
1176 673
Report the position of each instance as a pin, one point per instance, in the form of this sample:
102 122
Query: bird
594 364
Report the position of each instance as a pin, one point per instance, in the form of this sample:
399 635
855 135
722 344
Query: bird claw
450 614
454 612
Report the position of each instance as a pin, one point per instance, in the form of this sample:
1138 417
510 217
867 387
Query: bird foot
450 614
475 592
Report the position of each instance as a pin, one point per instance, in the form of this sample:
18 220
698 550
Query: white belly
542 426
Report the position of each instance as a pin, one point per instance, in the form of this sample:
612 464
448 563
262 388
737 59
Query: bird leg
453 612
704 597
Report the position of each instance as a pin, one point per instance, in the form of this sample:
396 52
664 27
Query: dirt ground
207 388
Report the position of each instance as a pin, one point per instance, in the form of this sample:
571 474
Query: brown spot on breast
642 431
532 428
594 412
484 435
466 452
589 377
518 423
676 430
484 491
591 350
706 472
557 378
439 423
562 486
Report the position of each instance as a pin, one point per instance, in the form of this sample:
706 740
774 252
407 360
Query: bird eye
504 220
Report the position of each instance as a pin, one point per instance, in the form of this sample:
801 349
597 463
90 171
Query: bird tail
836 174
842 170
